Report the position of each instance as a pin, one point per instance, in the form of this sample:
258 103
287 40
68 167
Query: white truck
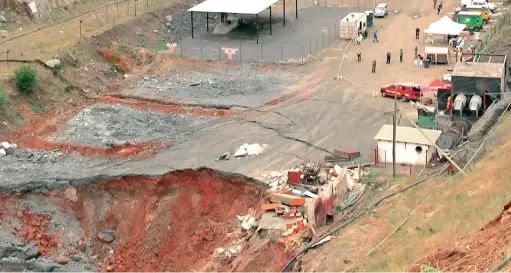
352 24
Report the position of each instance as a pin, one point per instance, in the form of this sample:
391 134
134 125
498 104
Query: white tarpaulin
445 26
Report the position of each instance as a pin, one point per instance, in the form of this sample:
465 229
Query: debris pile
249 149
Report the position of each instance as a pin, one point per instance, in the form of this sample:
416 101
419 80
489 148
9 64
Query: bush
57 68
3 97
26 79
117 61
107 54
68 88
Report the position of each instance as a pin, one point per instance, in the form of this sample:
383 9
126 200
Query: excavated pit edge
61 183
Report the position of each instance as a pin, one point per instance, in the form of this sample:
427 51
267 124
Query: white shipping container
351 24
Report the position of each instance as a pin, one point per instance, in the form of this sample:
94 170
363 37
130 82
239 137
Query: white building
412 148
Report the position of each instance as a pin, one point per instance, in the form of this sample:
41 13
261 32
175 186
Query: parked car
381 10
402 91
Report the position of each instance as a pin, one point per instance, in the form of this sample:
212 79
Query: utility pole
394 129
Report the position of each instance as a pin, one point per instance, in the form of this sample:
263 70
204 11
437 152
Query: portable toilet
370 18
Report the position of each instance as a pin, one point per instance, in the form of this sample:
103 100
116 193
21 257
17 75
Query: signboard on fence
172 47
230 51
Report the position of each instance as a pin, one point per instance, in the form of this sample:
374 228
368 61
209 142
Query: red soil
34 230
38 126
169 223
164 106
481 251
127 150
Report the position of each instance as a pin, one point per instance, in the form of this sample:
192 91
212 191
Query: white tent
445 26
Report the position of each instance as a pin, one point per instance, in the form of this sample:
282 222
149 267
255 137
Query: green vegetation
37 106
427 268
3 97
68 88
26 79
57 68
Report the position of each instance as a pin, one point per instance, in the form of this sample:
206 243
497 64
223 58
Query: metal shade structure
249 7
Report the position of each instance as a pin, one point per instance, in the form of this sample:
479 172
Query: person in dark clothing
416 49
375 36
373 70
365 34
434 4
439 8
388 57
401 55
417 33
359 55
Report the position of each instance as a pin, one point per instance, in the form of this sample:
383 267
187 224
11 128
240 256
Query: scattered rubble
244 87
106 124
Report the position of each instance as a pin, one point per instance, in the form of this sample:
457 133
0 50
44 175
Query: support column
270 20
257 27
296 6
284 12
207 21
191 16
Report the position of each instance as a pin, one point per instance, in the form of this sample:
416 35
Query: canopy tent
445 26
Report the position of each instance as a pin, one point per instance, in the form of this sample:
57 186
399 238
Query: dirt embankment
482 251
168 223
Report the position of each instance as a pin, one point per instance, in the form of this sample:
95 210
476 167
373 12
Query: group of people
389 53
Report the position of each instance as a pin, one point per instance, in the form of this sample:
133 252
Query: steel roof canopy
233 6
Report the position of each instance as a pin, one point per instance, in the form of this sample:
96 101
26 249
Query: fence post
81 22
218 51
7 58
302 54
282 53
262 57
335 29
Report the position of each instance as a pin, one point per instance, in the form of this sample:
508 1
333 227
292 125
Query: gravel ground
43 169
103 125
244 87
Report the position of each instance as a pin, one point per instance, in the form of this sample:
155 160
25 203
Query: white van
478 4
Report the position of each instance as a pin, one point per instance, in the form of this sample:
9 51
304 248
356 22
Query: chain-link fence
244 51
